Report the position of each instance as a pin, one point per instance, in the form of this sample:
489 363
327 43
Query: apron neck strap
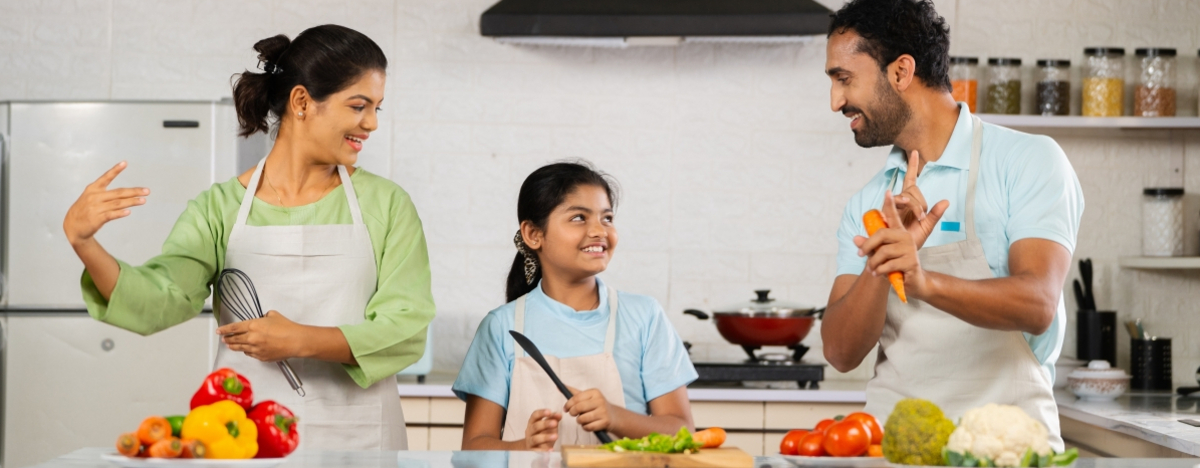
252 189
609 335
973 174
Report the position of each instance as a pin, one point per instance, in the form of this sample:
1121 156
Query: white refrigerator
68 380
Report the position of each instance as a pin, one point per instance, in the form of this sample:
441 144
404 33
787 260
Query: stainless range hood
620 23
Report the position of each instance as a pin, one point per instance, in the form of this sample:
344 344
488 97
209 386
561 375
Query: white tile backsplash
733 171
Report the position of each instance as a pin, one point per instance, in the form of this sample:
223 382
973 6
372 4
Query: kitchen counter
1152 417
90 458
832 391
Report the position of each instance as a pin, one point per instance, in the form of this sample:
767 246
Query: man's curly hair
891 28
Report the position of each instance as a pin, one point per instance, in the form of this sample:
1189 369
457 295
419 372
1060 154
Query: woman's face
339 126
579 238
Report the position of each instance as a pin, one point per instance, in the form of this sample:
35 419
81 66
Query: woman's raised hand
98 205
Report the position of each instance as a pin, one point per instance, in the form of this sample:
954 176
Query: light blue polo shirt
1026 189
650 356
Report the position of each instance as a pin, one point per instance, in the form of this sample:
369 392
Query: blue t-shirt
1026 189
649 354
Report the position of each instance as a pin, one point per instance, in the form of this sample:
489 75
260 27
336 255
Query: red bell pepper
224 384
277 431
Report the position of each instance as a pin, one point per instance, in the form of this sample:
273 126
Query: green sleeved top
171 288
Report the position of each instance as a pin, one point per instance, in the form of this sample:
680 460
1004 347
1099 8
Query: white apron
321 276
929 354
532 389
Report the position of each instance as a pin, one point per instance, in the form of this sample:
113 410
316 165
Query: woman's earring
300 114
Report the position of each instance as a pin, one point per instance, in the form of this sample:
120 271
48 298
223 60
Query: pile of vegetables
682 442
918 433
223 423
854 435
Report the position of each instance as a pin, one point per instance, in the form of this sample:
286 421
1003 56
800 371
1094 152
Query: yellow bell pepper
223 427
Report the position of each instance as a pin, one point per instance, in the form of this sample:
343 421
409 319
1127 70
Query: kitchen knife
1080 301
529 347
1085 270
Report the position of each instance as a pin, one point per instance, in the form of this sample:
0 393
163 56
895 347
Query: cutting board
588 456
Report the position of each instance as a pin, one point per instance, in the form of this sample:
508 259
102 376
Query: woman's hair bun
271 48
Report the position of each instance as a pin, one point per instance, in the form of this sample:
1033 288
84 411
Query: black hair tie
269 67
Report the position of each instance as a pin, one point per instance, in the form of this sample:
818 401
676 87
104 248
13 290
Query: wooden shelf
1075 121
1160 263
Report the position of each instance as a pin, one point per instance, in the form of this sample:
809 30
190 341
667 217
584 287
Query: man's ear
900 72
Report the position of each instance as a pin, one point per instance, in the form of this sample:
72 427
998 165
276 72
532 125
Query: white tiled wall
734 172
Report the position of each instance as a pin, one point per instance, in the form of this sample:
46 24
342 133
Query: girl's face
579 238
339 126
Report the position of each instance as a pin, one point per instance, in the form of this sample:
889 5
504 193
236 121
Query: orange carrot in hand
153 429
873 221
128 444
166 448
712 437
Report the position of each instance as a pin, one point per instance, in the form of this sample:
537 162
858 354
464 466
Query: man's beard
890 113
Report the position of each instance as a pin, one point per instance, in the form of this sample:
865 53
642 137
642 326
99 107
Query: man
983 268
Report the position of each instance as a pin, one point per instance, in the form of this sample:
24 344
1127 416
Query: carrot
128 444
153 429
166 448
712 437
873 221
875 451
193 448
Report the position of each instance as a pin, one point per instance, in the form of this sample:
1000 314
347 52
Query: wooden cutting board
588 456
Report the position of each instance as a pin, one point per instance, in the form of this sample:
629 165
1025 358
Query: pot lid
764 303
1098 369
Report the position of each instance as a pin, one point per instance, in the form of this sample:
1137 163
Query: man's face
862 92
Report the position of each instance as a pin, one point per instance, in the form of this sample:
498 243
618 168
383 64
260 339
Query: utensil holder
1150 363
1096 336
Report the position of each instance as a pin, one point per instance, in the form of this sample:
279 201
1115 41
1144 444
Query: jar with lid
1054 87
1004 86
1103 81
964 80
1155 92
1162 222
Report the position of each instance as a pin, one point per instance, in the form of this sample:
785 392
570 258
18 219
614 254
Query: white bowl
1098 382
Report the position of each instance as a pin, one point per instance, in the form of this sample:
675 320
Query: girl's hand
99 205
542 430
590 409
268 339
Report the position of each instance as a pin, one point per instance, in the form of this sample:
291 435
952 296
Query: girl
618 346
336 254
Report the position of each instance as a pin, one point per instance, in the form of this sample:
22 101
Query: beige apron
929 354
321 276
532 389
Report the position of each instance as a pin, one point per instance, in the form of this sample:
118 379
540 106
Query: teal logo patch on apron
951 226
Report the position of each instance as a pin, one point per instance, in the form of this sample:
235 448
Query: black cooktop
764 367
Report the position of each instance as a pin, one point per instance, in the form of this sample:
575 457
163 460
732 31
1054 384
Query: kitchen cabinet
435 423
71 382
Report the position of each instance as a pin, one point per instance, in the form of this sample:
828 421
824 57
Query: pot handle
698 314
818 313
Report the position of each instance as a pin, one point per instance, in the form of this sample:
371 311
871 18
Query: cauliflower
915 433
1000 433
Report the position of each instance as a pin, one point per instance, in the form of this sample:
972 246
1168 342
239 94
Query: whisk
240 298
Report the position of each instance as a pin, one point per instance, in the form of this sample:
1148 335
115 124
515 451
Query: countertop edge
1067 407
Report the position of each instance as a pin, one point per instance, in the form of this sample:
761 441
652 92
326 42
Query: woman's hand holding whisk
269 339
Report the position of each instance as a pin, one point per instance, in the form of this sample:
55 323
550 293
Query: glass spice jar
1155 92
1103 81
1004 86
964 80
1054 87
1162 222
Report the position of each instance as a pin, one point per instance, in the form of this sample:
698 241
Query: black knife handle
536 354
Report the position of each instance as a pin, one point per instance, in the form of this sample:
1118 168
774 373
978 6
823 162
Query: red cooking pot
763 321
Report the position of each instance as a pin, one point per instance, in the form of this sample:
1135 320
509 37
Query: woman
619 349
337 254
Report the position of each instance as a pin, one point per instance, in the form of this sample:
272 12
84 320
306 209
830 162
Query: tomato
823 425
812 445
871 423
847 439
791 442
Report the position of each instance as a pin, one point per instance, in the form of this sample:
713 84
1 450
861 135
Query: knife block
1096 336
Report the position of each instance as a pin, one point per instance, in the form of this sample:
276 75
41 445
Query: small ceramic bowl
1098 382
1063 368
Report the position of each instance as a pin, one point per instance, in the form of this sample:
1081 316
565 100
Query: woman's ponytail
252 91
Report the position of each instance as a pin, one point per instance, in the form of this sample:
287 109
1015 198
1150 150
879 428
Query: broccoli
915 433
